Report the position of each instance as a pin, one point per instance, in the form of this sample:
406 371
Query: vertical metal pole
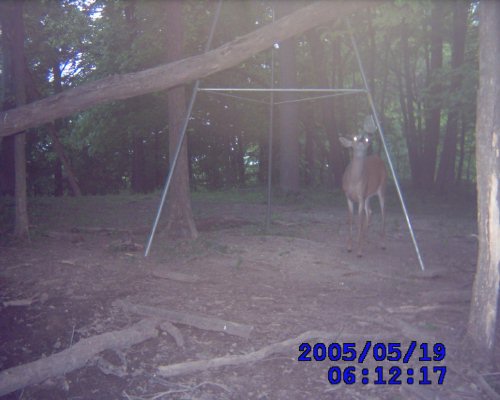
391 167
182 136
270 145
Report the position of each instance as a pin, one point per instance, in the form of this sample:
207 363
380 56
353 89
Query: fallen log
75 357
286 346
198 321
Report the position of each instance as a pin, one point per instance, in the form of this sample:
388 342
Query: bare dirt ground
64 285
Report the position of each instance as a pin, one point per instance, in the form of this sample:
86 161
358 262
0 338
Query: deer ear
345 142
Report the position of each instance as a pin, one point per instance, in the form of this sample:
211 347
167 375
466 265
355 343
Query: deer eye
355 138
367 140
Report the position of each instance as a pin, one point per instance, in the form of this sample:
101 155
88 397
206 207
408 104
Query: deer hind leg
381 201
361 225
350 221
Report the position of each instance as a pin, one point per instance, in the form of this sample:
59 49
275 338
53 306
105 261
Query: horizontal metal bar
240 97
316 97
265 90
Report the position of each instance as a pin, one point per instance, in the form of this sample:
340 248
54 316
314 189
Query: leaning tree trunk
180 217
119 87
483 313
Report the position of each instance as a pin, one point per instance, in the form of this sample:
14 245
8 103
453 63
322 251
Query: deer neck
358 166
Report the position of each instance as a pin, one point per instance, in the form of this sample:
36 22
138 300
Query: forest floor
85 260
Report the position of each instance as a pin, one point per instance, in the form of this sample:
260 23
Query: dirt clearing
85 260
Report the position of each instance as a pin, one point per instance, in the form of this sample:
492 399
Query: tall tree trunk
240 161
58 176
7 168
288 114
383 94
408 105
372 52
433 106
461 152
329 110
308 121
54 129
446 172
483 313
64 160
263 158
13 24
138 181
180 216
7 162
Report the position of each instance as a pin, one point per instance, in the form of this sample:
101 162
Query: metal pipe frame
270 143
384 145
181 138
277 90
336 93
272 90
317 97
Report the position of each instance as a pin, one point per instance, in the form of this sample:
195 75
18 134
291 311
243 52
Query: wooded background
420 58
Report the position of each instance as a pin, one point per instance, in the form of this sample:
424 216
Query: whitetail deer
364 177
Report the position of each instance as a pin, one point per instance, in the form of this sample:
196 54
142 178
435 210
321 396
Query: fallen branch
198 321
75 357
175 276
18 303
483 384
174 332
286 346
98 229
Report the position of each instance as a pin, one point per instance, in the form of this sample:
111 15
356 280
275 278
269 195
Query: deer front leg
361 225
350 221
381 200
368 216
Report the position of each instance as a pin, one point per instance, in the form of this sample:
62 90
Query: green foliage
124 145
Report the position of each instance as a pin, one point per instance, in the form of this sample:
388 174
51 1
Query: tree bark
61 153
433 104
461 153
288 114
56 143
385 71
308 120
179 214
446 173
329 110
138 178
7 162
58 175
163 77
7 168
407 99
483 313
15 34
